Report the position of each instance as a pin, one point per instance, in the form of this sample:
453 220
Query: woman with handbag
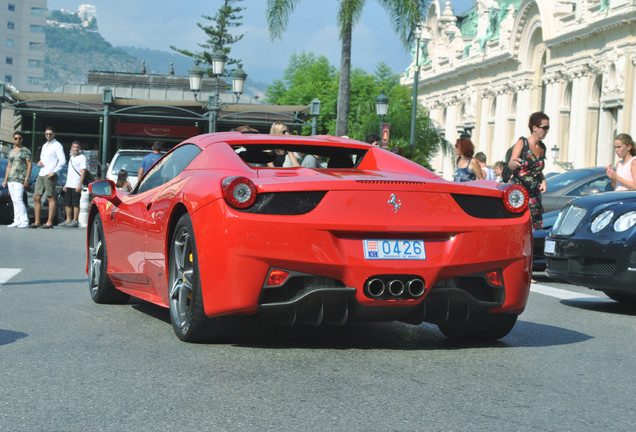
527 163
73 187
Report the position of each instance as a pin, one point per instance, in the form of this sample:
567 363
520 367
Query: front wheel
101 288
480 326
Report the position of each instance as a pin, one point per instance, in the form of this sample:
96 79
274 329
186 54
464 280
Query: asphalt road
68 364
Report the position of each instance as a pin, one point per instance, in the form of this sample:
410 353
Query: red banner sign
386 132
155 130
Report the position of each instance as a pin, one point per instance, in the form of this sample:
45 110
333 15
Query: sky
312 28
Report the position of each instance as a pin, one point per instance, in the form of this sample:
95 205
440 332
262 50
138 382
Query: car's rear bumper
236 256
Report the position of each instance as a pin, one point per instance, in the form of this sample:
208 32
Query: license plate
394 249
549 246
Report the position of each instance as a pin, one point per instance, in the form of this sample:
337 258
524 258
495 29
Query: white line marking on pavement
7 273
565 294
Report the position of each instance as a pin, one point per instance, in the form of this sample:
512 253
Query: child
498 169
122 181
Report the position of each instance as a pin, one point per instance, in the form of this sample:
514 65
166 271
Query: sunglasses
545 128
18 138
285 131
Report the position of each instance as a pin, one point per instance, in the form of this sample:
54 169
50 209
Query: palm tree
404 14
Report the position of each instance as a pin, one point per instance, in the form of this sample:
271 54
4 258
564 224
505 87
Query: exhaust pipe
416 287
375 287
396 287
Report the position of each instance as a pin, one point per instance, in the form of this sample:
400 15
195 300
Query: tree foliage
227 17
307 77
404 16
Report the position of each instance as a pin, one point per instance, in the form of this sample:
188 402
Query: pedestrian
468 168
19 167
52 160
489 174
150 159
497 168
122 181
625 172
73 187
291 159
373 139
527 162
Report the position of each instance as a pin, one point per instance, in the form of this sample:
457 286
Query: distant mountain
71 51
160 62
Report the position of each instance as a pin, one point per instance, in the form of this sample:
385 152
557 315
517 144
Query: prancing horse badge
396 203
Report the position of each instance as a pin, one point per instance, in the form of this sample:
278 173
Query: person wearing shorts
73 187
52 160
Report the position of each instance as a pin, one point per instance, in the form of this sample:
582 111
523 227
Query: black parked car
538 240
593 243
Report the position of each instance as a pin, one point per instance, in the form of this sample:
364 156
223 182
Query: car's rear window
128 162
310 156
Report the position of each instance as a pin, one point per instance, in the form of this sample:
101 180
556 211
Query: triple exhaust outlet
393 288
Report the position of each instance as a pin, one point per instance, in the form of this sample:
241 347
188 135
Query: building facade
488 69
22 43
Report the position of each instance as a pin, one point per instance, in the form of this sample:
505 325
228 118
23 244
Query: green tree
219 36
404 15
307 77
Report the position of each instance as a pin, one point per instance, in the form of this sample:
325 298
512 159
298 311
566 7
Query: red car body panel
237 249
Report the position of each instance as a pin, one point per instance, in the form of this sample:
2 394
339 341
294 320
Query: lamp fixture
568 166
238 81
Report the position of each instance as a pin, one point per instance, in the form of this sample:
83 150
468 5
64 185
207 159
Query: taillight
515 198
239 192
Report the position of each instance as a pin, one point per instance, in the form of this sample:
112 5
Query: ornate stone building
488 69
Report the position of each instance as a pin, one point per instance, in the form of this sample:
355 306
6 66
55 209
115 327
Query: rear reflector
277 277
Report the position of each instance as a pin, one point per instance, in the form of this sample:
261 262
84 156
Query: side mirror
105 188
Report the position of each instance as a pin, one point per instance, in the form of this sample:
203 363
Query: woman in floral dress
527 162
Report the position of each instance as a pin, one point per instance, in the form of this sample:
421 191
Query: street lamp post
416 79
314 112
381 107
107 100
238 81
213 105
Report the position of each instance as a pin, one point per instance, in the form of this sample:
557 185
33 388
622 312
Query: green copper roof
467 21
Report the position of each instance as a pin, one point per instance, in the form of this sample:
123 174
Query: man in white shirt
73 187
52 160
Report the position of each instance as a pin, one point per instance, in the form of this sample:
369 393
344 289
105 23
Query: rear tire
480 326
101 288
187 314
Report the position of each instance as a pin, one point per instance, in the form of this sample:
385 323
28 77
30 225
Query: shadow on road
255 333
44 282
601 305
10 336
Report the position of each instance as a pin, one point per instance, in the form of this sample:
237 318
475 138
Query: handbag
88 177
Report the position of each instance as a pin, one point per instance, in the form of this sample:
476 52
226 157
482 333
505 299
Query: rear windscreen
308 156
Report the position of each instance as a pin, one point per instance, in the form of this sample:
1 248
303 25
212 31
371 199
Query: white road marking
565 294
7 273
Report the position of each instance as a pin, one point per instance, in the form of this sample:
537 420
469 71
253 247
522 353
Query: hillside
72 52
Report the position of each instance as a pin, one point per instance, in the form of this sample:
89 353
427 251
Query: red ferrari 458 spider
220 227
